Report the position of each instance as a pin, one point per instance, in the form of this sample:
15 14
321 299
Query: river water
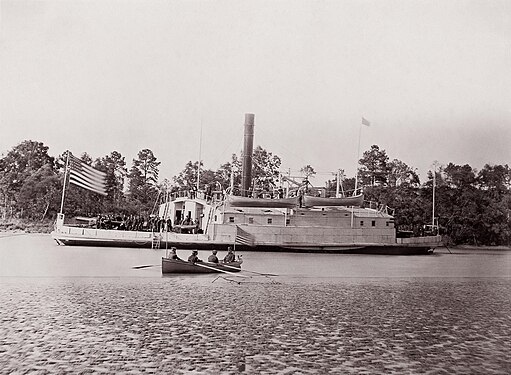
87 310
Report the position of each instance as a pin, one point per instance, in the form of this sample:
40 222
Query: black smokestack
248 146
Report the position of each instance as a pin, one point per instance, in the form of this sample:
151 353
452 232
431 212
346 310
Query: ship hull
108 238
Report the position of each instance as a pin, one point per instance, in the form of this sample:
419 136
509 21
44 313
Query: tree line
471 207
31 182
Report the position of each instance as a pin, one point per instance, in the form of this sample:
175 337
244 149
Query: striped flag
243 237
365 122
85 176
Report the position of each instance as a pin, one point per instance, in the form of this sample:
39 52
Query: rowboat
235 201
307 201
180 266
310 201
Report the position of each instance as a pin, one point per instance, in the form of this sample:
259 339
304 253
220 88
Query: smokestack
248 146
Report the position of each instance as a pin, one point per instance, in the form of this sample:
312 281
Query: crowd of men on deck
133 222
150 223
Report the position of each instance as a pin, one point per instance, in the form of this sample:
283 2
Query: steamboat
208 220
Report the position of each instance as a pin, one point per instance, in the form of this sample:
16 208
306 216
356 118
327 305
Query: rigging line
289 151
229 145
217 162
317 172
329 173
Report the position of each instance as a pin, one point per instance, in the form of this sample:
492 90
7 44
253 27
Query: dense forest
471 207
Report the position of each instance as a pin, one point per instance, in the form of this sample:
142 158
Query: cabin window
361 223
270 220
288 221
251 220
216 219
373 223
231 219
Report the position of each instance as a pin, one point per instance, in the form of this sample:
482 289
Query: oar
218 270
146 266
257 273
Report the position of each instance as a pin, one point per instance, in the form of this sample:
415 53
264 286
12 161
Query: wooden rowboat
236 201
180 266
309 201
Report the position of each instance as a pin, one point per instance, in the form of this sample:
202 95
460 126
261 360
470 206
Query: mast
60 216
64 184
435 163
232 181
200 151
358 158
366 123
337 187
340 176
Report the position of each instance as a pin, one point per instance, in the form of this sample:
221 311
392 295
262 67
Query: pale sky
433 77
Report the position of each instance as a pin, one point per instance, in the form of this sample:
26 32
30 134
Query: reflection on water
82 309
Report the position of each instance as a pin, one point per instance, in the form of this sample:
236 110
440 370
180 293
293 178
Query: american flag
86 177
243 237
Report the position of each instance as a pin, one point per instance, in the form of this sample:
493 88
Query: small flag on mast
365 122
85 176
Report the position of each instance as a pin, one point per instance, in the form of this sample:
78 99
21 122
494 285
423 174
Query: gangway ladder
156 241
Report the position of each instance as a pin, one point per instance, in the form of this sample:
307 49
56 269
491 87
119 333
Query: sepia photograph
255 187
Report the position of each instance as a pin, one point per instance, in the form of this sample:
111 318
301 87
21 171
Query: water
83 309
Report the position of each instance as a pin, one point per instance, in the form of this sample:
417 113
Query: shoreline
19 226
480 247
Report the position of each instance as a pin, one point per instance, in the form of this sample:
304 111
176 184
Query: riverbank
19 226
481 247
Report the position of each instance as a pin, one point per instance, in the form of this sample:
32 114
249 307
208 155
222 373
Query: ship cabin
333 217
334 224
252 216
212 214
189 211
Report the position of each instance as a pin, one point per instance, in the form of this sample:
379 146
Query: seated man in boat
173 254
213 258
230 255
194 258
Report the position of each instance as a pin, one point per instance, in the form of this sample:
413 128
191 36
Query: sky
177 77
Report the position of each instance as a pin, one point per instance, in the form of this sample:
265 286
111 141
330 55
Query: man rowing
230 257
193 258
213 258
173 254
